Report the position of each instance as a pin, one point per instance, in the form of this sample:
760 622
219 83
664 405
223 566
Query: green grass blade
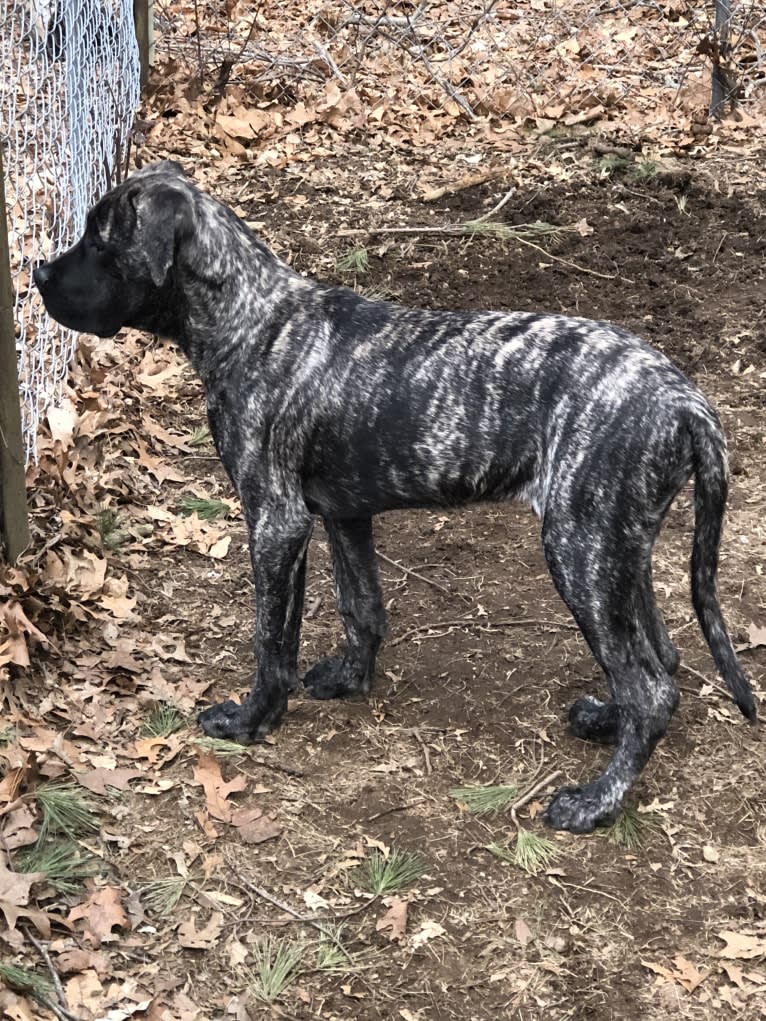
162 895
529 852
631 829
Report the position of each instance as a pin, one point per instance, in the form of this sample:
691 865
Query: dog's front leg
279 532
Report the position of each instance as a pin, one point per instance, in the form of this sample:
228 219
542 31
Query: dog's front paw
246 723
580 809
334 677
593 720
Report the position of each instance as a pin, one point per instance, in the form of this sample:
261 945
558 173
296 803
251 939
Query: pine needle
206 510
220 746
276 965
110 529
529 852
631 829
65 865
24 981
355 261
200 438
521 231
65 809
162 895
381 875
163 720
485 800
331 954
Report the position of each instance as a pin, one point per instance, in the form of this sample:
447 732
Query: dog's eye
98 245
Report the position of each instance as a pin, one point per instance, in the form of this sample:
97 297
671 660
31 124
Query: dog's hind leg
594 720
656 630
360 603
606 596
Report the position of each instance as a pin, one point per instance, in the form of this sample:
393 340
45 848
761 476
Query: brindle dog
322 402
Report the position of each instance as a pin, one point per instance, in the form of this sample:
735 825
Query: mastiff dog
324 403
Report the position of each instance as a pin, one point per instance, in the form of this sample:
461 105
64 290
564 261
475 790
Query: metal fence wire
69 87
473 58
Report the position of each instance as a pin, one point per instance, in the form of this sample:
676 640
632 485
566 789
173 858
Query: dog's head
118 274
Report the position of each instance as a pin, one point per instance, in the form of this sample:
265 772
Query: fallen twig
720 691
471 181
395 808
421 577
567 262
487 624
60 1009
535 789
313 920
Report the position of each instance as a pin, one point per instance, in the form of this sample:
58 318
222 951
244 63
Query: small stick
566 262
420 577
43 952
289 770
496 208
306 919
469 623
396 808
722 692
471 181
535 789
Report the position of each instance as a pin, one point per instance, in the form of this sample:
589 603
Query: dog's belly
363 489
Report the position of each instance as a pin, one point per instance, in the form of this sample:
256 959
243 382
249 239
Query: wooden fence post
14 524
143 17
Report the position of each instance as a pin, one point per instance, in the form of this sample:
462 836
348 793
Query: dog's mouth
81 319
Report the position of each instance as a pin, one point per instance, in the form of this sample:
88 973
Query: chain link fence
68 91
475 58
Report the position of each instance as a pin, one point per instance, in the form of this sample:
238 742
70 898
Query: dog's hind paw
245 723
580 809
593 720
335 677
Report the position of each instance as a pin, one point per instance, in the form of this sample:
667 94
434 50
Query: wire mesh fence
475 58
68 92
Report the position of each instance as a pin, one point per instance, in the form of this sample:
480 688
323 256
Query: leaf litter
126 491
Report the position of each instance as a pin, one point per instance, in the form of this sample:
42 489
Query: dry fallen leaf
394 920
200 939
428 930
684 973
254 827
522 931
102 913
741 946
14 898
207 773
97 780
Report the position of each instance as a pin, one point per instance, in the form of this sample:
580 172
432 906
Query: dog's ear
164 217
171 167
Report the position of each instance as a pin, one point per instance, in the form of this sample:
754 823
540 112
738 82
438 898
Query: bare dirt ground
474 682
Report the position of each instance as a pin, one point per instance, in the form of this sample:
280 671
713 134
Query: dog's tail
711 483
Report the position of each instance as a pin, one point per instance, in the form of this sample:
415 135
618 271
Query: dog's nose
41 274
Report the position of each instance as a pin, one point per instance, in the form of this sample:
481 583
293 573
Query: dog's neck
227 267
